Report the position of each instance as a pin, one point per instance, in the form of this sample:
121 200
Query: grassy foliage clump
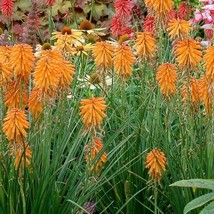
104 121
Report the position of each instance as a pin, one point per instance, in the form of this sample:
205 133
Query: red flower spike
7 7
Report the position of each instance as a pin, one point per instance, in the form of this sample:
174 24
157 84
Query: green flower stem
92 10
22 197
155 197
51 24
73 12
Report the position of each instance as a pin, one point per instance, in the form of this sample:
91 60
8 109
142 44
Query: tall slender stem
155 197
73 12
50 24
22 197
92 10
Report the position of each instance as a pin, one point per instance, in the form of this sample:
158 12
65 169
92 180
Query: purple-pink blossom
197 16
208 7
207 26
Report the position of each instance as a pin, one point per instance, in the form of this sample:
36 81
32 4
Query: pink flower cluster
121 22
206 15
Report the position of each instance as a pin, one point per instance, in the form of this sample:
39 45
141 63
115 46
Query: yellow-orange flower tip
123 61
66 78
5 54
66 30
92 150
178 28
51 54
156 163
188 53
150 8
161 8
206 93
145 45
46 46
15 125
103 53
15 96
48 71
122 39
209 62
166 77
193 91
6 74
86 25
1 31
92 112
22 154
35 103
22 60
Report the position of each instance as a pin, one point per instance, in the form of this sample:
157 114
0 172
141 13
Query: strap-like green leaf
195 183
209 209
198 202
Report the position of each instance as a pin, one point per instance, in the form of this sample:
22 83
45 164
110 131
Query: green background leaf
209 209
198 202
195 183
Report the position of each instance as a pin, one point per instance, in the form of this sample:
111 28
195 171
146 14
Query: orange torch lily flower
15 125
92 111
156 163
